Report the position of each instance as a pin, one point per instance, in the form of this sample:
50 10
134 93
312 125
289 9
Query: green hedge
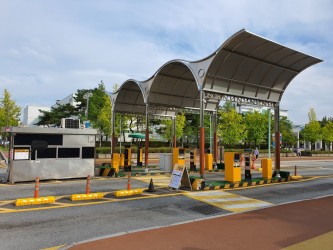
107 150
319 152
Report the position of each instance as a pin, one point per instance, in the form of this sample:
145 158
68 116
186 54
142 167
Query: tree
256 127
53 117
9 111
96 102
327 132
191 127
312 130
288 137
168 127
230 125
104 118
80 98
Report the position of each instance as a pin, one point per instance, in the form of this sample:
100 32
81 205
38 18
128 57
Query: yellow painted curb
84 197
122 193
34 201
295 177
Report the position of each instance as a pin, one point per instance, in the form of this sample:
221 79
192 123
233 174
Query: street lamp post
87 96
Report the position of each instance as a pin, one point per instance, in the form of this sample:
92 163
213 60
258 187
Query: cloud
50 49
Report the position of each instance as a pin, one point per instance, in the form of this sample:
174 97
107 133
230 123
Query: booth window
68 152
26 139
88 152
47 153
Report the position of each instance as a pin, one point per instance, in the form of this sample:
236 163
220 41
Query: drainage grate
207 209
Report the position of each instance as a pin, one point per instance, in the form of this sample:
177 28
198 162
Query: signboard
21 154
273 140
180 178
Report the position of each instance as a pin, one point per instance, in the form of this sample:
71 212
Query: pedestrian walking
256 153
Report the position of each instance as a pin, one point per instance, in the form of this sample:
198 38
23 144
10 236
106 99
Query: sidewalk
269 228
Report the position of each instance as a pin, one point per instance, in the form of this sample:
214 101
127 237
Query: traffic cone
151 186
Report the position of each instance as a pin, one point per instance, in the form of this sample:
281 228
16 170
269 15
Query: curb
245 184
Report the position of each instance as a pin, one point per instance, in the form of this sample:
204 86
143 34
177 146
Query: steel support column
174 140
215 138
202 135
269 133
113 119
277 137
146 138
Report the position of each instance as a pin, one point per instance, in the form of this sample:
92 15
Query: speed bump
84 197
123 193
34 201
295 177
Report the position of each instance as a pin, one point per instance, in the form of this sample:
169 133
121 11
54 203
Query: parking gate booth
266 165
209 161
193 160
127 159
248 159
232 167
122 160
178 156
139 157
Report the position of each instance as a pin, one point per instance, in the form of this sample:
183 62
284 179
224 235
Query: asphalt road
37 229
66 222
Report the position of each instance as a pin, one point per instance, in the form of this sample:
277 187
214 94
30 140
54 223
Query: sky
51 48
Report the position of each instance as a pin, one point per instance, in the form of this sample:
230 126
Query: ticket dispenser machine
122 160
115 162
232 167
139 157
127 160
209 162
178 156
266 165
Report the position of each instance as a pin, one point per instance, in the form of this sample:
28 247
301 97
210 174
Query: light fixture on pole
87 96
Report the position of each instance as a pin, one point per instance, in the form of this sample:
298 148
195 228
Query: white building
243 109
31 113
68 99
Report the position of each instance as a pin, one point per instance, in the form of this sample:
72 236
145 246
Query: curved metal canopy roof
246 68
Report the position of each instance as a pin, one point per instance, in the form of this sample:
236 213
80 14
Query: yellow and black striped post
193 157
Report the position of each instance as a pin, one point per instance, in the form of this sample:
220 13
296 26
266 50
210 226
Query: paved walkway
276 227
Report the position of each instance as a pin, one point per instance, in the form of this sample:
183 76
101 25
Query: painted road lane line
159 181
228 201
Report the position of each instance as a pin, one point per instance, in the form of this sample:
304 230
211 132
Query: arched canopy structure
250 66
246 68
